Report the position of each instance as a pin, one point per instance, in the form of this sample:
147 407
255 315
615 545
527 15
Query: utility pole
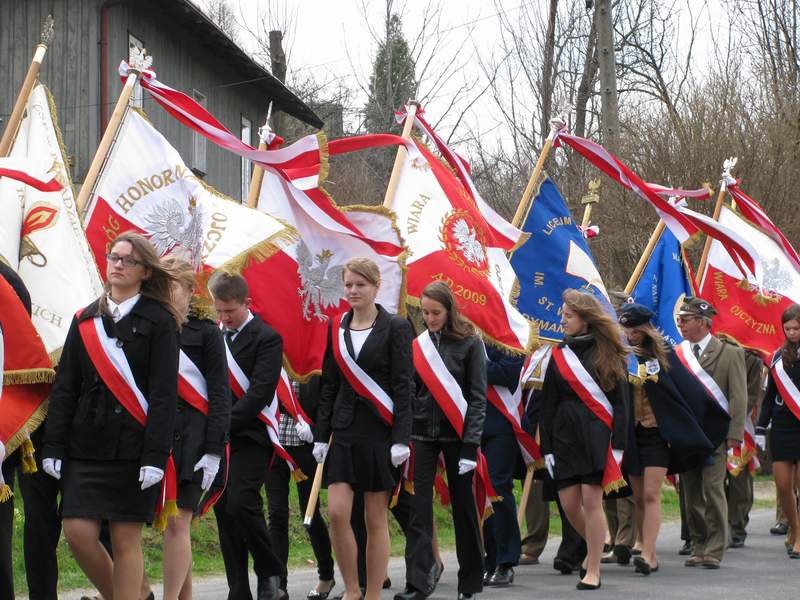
609 111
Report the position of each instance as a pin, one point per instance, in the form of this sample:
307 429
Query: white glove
617 454
761 441
303 430
52 466
550 464
149 476
400 454
465 465
320 451
210 465
2 452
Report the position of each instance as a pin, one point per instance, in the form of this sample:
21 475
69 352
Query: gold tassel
298 476
615 485
170 510
28 460
5 493
29 376
409 486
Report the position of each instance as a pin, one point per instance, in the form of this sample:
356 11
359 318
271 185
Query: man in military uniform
707 508
740 487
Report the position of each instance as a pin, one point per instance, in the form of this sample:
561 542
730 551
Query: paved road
759 571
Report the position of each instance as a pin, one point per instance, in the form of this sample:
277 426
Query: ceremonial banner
663 284
300 289
447 237
555 257
46 244
745 314
146 187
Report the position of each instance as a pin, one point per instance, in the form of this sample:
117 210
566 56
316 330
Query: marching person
584 420
721 367
364 408
254 354
298 438
449 410
780 411
665 433
201 424
111 414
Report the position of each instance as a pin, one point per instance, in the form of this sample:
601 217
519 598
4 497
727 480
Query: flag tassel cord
648 251
400 157
10 132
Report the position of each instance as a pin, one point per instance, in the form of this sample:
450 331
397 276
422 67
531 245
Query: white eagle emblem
468 242
171 226
776 278
321 286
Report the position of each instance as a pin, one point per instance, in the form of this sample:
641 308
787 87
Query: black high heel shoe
315 595
588 586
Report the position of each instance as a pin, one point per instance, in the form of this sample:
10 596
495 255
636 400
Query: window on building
247 166
199 142
134 42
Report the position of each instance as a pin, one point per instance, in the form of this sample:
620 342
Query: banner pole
556 124
258 171
648 251
399 159
727 166
313 496
10 132
139 62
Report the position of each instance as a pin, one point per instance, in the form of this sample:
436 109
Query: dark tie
229 333
696 350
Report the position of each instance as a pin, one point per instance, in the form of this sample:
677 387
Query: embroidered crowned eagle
321 286
171 226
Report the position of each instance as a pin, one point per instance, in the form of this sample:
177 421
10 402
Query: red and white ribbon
439 381
510 406
27 172
684 352
288 399
703 193
192 386
364 385
587 389
787 389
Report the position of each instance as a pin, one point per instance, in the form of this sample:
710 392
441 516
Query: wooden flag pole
139 62
258 172
400 158
526 493
313 496
556 124
727 166
15 119
648 251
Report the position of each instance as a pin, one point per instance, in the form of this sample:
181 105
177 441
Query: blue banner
663 285
556 257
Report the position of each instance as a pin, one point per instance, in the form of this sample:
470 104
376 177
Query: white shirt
243 325
121 310
358 337
702 343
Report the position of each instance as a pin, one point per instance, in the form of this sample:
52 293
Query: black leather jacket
466 361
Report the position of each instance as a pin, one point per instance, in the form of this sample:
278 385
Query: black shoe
315 595
623 554
736 543
487 576
588 586
563 565
387 583
502 576
269 588
636 551
686 549
465 596
581 573
607 548
643 567
411 593
779 529
439 571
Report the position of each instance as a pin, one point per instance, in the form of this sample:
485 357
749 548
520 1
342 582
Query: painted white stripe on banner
192 375
359 373
117 357
706 379
446 378
587 380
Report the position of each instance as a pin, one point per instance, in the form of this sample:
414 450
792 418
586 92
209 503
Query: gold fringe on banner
29 376
5 493
615 485
298 476
24 432
28 460
170 510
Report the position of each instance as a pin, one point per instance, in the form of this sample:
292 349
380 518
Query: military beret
697 307
633 315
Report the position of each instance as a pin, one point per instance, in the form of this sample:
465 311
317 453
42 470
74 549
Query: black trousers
241 522
279 478
41 531
469 547
501 530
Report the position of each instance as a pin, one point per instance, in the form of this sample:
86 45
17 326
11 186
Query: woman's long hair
158 284
456 325
789 350
610 356
183 273
653 346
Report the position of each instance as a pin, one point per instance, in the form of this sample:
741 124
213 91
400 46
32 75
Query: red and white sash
510 406
289 400
587 389
689 360
363 384
270 414
786 387
192 387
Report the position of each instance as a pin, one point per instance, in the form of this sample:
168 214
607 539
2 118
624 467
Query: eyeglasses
127 261
686 319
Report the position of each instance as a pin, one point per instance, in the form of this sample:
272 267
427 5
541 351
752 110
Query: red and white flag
28 172
746 313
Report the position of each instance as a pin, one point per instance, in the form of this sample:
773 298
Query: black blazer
85 421
258 350
308 395
386 357
501 369
196 434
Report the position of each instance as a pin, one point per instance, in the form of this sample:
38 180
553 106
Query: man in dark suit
257 350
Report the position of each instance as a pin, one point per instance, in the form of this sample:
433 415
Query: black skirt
106 490
189 493
580 441
360 455
784 436
653 450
